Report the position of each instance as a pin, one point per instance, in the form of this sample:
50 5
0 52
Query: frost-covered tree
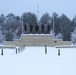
45 20
2 18
65 27
29 19
12 25
73 23
9 36
11 22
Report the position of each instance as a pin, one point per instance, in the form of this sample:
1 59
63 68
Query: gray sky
68 7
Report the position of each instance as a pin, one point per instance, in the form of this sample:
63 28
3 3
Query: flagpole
38 13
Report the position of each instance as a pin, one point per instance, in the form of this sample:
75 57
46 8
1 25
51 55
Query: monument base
37 40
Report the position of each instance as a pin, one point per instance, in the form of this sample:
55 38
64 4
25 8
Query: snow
34 61
36 34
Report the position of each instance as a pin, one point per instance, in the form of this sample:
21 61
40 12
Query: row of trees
11 25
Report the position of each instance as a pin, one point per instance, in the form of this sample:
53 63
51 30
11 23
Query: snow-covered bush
59 36
73 36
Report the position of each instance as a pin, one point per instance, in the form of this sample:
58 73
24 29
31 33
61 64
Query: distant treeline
11 25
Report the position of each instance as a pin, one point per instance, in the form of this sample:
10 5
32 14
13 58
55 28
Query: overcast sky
68 7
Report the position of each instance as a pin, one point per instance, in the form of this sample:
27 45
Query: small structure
37 35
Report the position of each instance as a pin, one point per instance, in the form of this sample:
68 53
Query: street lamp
22 23
38 13
53 26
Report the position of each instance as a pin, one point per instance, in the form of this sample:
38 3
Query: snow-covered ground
34 61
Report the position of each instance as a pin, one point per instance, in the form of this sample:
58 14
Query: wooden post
16 50
45 49
58 52
2 52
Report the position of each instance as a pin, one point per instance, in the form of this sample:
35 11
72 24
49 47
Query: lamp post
38 13
22 23
53 25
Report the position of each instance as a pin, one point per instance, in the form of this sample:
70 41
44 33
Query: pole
16 50
2 52
38 13
22 23
45 49
53 25
58 52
